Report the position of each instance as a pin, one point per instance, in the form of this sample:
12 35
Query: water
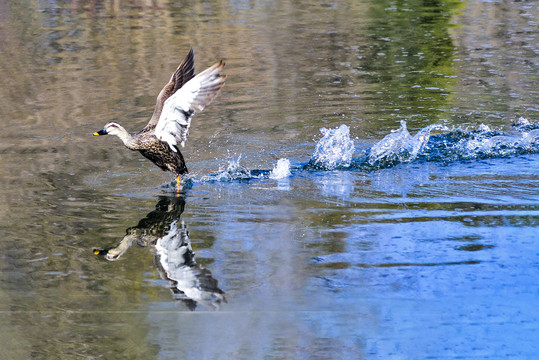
365 186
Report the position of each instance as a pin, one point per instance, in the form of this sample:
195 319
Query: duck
179 100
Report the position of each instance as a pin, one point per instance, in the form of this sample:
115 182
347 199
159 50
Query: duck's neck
126 137
123 246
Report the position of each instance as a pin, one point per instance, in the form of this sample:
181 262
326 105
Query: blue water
420 244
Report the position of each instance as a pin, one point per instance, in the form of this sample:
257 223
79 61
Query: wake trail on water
400 146
336 150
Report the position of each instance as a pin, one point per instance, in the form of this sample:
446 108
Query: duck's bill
101 132
109 254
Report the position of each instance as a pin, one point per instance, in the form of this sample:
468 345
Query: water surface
365 186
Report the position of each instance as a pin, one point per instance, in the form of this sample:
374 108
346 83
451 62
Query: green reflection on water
408 62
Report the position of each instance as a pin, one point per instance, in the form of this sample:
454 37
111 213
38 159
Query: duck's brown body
159 152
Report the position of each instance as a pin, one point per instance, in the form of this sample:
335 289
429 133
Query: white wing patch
179 108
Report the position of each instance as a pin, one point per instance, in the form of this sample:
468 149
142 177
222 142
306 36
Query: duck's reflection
166 235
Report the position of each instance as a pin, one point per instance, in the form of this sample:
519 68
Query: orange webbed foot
178 185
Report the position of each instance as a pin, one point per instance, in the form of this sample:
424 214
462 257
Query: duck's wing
184 73
179 108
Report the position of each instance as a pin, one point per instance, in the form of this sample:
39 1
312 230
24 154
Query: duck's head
110 128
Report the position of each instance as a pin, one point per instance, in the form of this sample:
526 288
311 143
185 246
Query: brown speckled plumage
159 152
178 101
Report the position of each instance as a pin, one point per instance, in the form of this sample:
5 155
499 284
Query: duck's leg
178 184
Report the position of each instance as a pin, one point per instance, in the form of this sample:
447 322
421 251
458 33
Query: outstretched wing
179 108
184 73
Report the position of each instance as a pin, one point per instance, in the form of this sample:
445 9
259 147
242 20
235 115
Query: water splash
451 145
522 121
334 150
457 144
281 169
400 146
233 171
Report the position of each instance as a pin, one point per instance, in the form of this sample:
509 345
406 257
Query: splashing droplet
281 169
400 146
334 149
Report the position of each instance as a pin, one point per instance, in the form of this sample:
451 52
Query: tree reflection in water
167 236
